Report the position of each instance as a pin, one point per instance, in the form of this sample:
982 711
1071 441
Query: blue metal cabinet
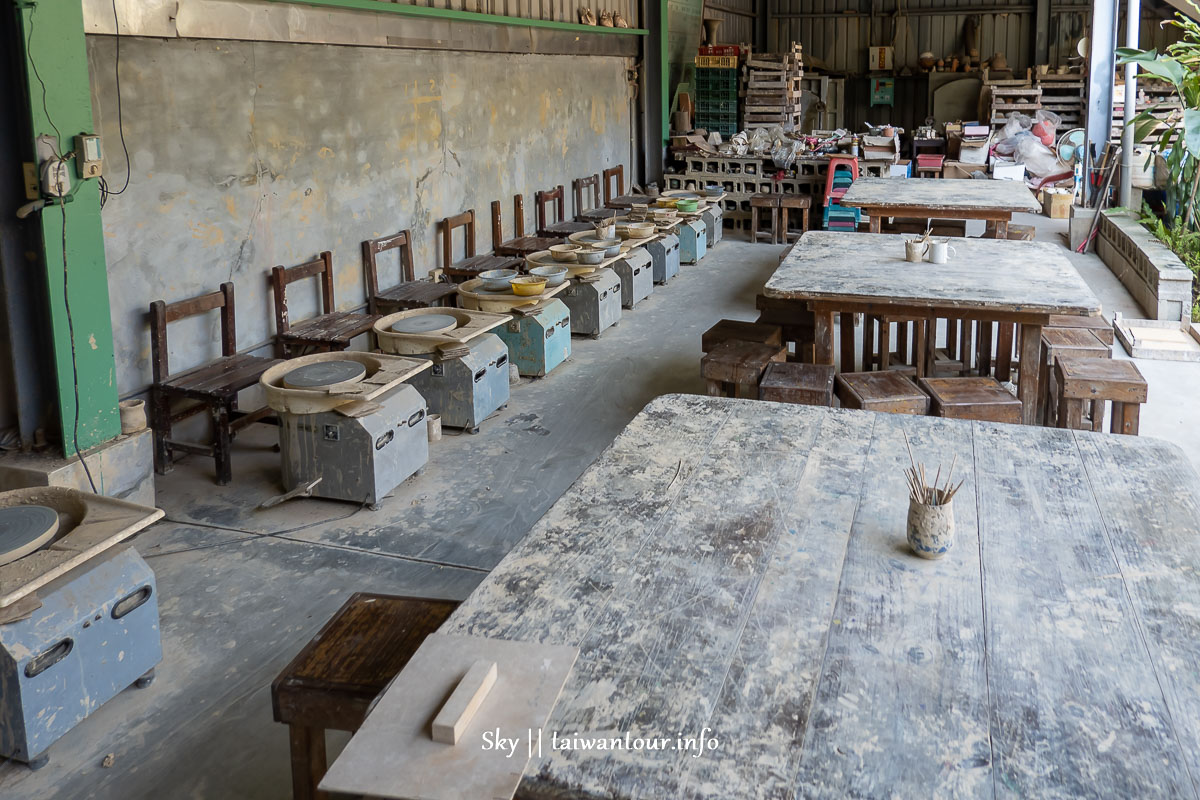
693 240
538 342
714 223
664 253
637 281
95 634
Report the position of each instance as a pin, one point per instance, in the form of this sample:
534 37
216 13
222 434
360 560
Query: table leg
1004 347
823 338
984 355
930 353
919 334
964 346
876 223
902 341
868 349
885 344
1125 418
847 323
1001 229
1028 381
308 762
783 226
1070 413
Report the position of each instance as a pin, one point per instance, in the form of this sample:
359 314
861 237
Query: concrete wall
250 154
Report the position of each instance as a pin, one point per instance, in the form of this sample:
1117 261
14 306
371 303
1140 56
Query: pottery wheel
24 529
324 373
426 324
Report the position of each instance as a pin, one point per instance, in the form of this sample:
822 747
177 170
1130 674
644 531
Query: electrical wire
62 205
249 534
105 191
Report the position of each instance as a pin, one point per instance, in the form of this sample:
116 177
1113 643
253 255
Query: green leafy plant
1179 141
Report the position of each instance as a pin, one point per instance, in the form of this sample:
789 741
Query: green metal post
59 97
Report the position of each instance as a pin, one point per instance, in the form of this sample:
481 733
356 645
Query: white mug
940 252
914 250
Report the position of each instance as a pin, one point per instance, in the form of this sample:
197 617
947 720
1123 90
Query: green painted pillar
56 67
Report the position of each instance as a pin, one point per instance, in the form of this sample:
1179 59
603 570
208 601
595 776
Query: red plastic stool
834 163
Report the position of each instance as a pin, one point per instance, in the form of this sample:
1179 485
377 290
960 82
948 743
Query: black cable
62 205
105 192
249 534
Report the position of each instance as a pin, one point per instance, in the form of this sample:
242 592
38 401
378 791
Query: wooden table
988 280
741 566
932 198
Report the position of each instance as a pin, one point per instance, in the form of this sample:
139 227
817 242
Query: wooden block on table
804 384
468 696
889 391
976 398
739 330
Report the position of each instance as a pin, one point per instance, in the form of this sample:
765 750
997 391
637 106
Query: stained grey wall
250 154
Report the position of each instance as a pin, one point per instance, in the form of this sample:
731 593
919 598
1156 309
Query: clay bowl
497 280
553 275
528 285
611 247
591 256
564 252
640 230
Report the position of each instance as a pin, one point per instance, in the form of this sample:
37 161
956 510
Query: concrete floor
241 590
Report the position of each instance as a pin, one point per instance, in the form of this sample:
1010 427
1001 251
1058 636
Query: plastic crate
716 62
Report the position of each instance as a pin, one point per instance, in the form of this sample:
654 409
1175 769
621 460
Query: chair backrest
617 173
401 241
544 198
579 187
321 267
498 224
464 220
162 314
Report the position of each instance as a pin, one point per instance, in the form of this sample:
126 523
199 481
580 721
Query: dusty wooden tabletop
988 274
933 193
741 567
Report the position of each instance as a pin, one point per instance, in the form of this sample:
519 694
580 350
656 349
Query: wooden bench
329 331
1057 343
561 227
736 329
332 682
1096 380
410 292
972 397
520 245
733 368
472 264
770 202
889 391
212 387
804 384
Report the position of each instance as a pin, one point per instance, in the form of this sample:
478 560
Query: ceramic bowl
564 252
528 285
497 280
687 206
611 247
667 202
640 230
591 256
553 275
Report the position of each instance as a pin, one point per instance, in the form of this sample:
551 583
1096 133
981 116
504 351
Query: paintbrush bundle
940 492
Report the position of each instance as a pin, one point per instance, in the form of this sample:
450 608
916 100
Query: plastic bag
785 153
1017 122
1045 126
1039 160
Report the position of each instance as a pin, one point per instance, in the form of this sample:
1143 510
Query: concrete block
122 468
1154 275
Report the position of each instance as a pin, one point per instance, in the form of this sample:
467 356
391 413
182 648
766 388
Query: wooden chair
1096 380
561 226
972 397
472 265
579 188
212 387
738 330
734 368
770 202
334 679
520 245
889 391
614 175
795 202
805 384
328 331
410 292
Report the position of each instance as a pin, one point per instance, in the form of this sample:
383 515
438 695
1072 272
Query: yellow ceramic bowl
528 285
667 202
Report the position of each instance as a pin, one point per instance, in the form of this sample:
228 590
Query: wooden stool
804 384
733 368
795 320
768 201
728 329
1098 379
972 398
1059 342
889 391
801 202
1101 328
332 682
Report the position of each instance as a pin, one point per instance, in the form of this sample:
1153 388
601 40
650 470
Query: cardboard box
957 169
1057 205
901 169
1008 171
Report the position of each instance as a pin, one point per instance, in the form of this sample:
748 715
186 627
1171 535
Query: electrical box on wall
89 160
879 58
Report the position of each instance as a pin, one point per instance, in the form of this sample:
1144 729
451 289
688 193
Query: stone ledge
1154 275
